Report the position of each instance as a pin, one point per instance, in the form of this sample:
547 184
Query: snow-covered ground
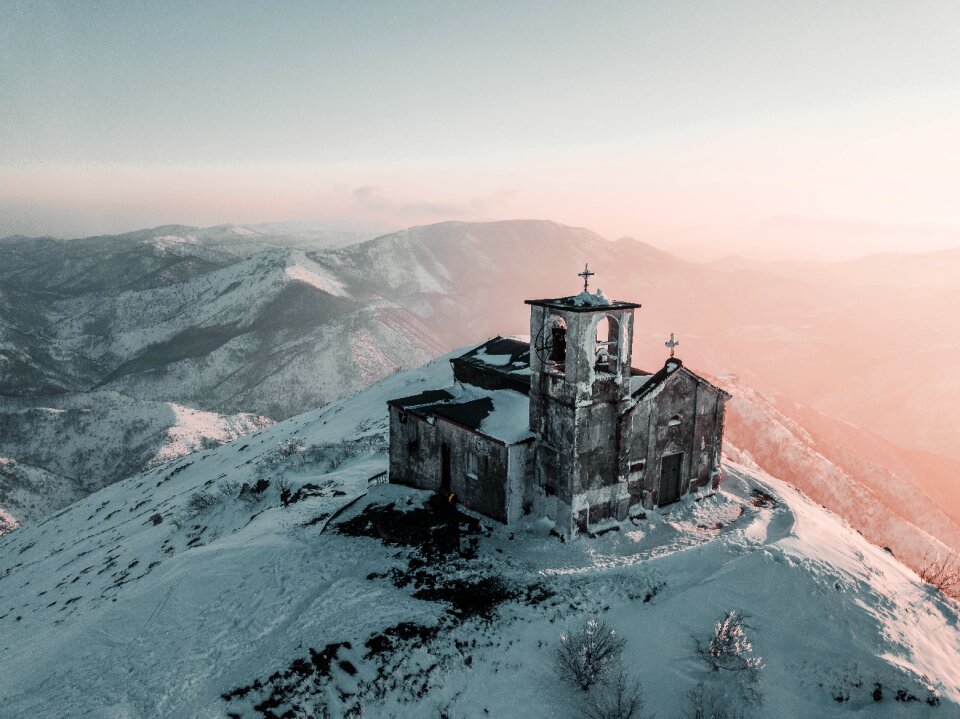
272 571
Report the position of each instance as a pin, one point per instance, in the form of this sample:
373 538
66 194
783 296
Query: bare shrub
586 656
229 490
942 572
205 500
201 501
285 492
288 452
728 647
331 455
707 706
619 697
292 454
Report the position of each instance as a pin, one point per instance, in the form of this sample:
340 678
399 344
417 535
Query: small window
473 465
638 466
403 418
674 421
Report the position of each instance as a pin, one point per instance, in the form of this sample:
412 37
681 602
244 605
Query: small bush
288 452
205 500
229 490
942 572
706 706
201 501
729 648
619 697
586 656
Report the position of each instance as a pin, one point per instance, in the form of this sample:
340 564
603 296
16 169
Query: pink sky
716 129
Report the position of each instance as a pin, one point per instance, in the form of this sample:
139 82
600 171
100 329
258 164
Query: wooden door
444 469
670 467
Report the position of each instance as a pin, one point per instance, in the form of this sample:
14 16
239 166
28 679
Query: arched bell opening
607 345
551 345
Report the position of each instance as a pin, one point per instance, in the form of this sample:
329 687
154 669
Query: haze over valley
248 325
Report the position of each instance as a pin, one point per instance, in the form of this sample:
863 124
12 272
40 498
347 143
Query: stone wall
481 474
681 416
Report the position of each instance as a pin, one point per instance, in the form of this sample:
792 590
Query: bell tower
580 354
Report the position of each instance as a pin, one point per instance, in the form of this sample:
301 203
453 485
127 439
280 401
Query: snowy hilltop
278 575
238 323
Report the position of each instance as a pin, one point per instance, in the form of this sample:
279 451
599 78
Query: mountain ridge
278 330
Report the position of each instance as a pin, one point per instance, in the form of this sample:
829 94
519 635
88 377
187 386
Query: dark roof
671 367
517 350
431 396
572 304
467 414
506 374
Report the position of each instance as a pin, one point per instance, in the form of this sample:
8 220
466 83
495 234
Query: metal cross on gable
586 275
671 343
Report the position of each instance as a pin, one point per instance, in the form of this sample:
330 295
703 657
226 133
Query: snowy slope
27 493
180 593
890 510
74 444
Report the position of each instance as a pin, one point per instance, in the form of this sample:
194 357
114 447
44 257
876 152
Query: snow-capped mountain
116 345
276 576
166 317
235 319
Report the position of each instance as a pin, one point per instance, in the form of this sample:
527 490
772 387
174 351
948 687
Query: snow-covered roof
500 352
503 363
502 415
638 379
584 302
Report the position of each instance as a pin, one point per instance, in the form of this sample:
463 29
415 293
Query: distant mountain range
233 320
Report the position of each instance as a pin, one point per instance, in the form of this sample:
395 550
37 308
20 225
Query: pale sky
696 121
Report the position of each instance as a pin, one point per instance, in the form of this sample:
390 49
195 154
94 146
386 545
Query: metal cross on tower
586 275
671 344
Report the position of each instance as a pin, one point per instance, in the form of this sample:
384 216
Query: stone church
562 427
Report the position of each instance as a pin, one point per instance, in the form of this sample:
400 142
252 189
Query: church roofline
516 349
569 304
665 372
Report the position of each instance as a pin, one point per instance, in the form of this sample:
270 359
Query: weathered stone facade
563 427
